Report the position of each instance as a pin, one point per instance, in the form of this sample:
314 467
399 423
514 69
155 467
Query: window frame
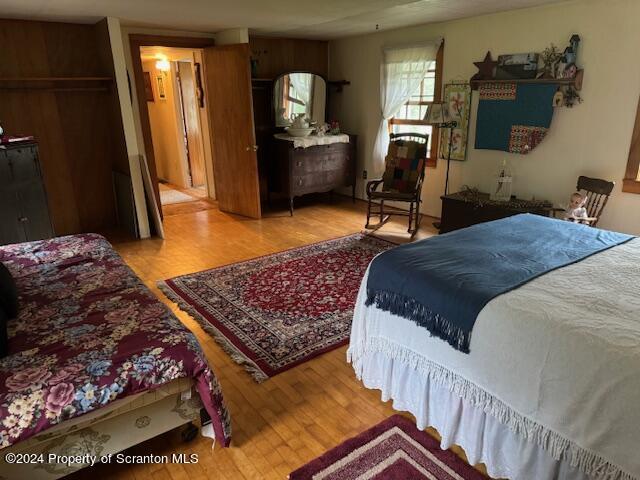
432 157
631 182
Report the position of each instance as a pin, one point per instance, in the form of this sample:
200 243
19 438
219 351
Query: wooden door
233 143
192 124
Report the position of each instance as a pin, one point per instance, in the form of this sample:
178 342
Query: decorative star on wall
485 68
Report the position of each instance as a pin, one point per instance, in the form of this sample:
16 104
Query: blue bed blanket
442 283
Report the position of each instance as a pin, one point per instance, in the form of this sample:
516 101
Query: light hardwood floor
293 417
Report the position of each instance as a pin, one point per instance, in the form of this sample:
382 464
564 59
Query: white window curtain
303 83
402 70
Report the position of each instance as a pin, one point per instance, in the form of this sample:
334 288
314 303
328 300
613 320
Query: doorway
178 124
227 114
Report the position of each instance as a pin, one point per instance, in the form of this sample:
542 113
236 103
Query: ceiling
323 19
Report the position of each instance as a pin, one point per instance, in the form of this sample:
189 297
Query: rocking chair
598 192
402 180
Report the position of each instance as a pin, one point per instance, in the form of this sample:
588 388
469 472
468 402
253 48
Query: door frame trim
135 42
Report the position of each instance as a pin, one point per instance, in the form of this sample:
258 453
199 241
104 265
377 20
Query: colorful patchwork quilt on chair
403 166
513 117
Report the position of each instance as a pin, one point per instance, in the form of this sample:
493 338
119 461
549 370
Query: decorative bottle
503 184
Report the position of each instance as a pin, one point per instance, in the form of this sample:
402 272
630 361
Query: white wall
590 139
166 127
128 123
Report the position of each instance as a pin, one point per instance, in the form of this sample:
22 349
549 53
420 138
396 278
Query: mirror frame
273 89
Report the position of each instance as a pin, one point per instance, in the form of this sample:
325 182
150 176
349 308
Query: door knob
252 147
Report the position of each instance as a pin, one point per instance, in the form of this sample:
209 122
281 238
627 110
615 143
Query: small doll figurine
576 212
322 129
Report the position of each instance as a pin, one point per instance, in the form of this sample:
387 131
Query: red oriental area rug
392 450
275 312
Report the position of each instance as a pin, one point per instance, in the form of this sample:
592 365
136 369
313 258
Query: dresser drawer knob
23 219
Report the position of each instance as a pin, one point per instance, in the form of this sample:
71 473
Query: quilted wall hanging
513 117
458 96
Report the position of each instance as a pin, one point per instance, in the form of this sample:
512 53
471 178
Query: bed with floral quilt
95 360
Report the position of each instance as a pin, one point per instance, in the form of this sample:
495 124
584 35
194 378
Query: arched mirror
299 92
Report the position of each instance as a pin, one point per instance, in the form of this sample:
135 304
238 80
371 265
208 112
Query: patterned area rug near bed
274 312
392 450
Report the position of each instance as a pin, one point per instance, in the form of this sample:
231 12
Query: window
631 182
292 101
409 118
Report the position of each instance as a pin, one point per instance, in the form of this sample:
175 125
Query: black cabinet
463 209
24 211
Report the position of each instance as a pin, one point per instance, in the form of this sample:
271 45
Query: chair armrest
373 184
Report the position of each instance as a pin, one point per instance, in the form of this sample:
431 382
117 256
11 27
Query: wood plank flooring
293 417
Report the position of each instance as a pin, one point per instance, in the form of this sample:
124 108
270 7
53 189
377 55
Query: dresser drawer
321 168
320 181
302 164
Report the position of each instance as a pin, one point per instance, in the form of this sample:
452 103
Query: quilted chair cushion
404 164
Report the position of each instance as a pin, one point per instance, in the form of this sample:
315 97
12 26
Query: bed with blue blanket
517 339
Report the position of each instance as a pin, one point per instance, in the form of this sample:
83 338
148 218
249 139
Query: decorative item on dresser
468 207
24 211
297 171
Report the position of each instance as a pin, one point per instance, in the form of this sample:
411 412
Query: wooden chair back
413 137
598 192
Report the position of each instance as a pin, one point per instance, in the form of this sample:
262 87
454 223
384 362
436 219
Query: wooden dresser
321 168
24 211
463 209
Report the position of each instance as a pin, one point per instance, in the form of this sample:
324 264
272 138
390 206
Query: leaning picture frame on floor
458 97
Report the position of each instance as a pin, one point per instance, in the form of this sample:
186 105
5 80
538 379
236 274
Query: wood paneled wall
76 122
280 55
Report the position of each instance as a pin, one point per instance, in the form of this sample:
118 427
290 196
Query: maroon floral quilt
89 332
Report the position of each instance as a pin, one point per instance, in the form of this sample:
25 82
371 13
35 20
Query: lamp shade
438 113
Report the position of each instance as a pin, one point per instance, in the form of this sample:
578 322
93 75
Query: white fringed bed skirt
551 381
483 438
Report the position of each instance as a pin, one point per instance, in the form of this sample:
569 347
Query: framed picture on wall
148 88
161 91
458 96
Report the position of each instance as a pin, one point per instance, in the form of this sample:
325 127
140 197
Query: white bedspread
556 360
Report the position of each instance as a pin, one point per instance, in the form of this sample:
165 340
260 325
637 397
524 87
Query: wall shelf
575 82
338 84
